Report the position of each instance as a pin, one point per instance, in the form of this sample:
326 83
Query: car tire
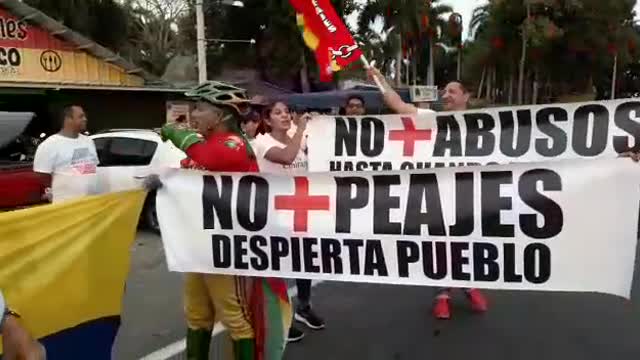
150 215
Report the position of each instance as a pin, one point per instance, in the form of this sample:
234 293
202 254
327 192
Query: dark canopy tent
336 99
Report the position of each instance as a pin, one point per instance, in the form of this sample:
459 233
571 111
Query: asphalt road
152 316
378 322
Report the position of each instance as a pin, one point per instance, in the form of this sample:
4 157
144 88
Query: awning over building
36 49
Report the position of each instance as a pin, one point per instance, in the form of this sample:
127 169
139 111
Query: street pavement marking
180 346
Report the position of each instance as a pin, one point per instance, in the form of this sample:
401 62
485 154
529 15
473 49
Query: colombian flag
64 267
325 33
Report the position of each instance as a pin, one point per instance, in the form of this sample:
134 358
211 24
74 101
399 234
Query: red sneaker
478 301
441 308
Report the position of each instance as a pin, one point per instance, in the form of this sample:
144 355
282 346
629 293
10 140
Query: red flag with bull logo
325 33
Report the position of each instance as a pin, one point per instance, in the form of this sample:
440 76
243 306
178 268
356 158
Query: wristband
3 308
6 312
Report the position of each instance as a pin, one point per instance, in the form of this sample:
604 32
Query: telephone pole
202 42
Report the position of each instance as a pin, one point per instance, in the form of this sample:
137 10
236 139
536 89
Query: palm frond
441 9
368 15
479 18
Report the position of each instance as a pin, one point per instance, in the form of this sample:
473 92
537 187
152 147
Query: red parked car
19 185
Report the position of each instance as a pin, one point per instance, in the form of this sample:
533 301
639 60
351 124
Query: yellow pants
209 297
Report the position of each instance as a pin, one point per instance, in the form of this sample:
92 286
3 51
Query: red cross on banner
301 203
409 136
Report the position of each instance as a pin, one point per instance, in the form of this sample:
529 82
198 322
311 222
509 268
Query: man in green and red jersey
258 331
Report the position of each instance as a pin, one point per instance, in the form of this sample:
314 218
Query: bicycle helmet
228 98
218 93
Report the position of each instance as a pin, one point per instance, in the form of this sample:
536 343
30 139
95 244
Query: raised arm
288 154
209 154
391 97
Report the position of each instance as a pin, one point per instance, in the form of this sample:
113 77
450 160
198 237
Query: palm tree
523 55
478 26
491 31
480 20
419 22
376 47
392 27
435 13
563 48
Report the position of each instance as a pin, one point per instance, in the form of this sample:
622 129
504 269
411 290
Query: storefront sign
28 53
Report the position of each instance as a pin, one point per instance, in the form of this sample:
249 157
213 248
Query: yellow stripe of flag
310 39
66 264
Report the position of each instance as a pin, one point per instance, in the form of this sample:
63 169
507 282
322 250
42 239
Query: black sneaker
310 318
295 334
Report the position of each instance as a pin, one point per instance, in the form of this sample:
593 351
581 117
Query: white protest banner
555 226
484 136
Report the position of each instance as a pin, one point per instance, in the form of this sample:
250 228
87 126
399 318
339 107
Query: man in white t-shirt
455 98
68 160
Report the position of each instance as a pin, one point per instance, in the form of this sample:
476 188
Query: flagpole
366 64
614 77
201 42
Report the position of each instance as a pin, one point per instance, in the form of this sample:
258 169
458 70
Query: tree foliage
151 32
418 24
278 51
144 31
153 37
104 21
571 45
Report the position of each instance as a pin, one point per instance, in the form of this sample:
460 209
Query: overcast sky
465 8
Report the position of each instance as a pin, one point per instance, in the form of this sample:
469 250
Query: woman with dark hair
251 124
283 150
